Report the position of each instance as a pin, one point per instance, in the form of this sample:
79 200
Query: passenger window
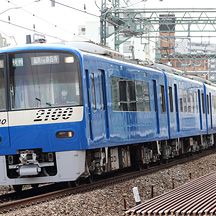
123 95
129 95
140 96
188 102
170 98
101 91
115 93
203 103
181 99
214 103
146 97
192 101
132 95
162 99
185 100
207 104
93 91
195 102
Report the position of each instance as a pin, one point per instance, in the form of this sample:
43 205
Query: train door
89 104
200 111
98 118
102 90
210 106
156 106
4 130
176 107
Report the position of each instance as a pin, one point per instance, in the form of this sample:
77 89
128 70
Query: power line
132 5
83 11
42 19
31 30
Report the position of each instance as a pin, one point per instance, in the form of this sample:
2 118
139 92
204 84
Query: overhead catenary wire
82 11
33 30
54 25
40 32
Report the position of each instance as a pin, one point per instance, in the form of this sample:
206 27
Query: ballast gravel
109 200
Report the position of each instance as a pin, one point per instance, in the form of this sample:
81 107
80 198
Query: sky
19 18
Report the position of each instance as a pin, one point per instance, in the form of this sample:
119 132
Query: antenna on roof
38 38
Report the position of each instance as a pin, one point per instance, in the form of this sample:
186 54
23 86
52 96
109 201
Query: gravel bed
109 200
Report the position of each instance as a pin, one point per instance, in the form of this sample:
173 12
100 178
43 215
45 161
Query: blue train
68 113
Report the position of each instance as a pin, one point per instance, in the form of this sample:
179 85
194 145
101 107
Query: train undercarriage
103 160
34 164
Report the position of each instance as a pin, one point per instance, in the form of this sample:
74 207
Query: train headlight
64 134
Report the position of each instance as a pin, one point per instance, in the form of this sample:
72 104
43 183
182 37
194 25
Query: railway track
30 197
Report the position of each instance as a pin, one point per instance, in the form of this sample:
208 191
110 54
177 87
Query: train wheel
34 186
17 188
166 161
140 166
147 166
90 179
70 184
74 183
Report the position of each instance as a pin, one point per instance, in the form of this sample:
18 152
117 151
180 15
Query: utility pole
103 22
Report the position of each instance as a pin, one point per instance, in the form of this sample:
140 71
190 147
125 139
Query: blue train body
124 114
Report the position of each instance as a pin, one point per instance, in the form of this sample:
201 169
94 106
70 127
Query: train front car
41 114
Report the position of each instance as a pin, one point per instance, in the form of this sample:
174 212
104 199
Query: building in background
138 48
182 54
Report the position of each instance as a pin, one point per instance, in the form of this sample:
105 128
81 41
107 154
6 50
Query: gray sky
62 21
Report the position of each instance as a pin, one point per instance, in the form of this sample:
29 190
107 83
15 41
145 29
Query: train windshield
44 79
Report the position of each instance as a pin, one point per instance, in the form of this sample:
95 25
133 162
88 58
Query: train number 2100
53 114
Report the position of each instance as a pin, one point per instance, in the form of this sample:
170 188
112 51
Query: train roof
90 48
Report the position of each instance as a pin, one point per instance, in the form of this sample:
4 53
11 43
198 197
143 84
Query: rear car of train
41 115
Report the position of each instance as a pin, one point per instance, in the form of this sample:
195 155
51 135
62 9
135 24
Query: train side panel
123 120
211 108
187 117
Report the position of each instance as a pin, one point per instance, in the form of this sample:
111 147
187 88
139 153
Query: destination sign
17 62
44 60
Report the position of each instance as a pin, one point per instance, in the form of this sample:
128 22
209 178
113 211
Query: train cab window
162 99
170 99
203 103
44 79
2 85
93 91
